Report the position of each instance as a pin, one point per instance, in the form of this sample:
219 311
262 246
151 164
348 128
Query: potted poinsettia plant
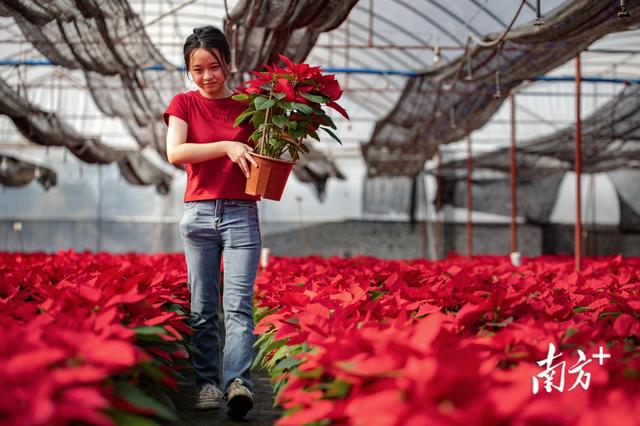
285 106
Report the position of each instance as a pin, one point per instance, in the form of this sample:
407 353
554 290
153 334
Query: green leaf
331 134
609 314
152 371
314 134
279 95
504 323
240 97
138 398
316 98
288 363
310 374
124 418
279 120
324 422
266 347
174 307
305 109
377 294
566 345
338 389
261 312
256 135
258 119
299 132
281 353
266 104
146 331
579 309
330 122
192 348
259 100
292 410
243 117
264 340
292 125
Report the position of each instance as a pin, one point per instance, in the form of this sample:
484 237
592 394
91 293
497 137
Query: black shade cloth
17 172
446 103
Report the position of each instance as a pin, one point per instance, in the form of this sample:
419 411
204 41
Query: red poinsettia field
369 342
90 338
97 339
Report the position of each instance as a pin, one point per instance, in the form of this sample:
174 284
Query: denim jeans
230 229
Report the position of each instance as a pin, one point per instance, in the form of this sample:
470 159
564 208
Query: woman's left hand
239 153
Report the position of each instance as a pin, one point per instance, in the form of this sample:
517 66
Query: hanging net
446 103
17 172
610 143
126 75
46 129
258 30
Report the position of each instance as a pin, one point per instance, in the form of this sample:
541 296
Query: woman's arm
181 152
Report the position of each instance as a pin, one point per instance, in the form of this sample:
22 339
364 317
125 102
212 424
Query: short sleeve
177 107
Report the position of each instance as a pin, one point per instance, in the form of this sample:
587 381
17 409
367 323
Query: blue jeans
210 228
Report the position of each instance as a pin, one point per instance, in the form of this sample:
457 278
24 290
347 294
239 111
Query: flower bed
95 338
365 341
90 338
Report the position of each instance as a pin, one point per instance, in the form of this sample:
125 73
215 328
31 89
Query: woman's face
208 73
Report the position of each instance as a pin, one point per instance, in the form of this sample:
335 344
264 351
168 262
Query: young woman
218 218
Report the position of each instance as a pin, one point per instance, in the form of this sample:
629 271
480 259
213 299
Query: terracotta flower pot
269 178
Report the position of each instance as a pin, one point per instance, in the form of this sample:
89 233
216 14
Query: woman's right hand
238 152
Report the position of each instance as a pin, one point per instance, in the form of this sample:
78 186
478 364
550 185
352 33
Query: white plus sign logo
600 356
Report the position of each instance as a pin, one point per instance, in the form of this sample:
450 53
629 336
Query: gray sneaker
209 397
239 399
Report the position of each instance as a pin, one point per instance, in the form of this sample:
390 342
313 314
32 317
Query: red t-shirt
211 120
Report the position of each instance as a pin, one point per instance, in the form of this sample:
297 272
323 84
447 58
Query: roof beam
490 13
455 17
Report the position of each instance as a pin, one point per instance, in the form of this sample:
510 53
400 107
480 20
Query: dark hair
209 38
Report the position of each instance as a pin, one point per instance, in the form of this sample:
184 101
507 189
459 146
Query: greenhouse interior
455 238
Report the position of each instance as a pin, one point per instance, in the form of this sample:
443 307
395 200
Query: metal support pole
514 200
469 199
578 170
438 210
424 197
303 240
99 212
370 23
346 52
538 20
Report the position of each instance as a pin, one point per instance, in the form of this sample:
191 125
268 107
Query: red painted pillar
578 170
514 201
469 199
